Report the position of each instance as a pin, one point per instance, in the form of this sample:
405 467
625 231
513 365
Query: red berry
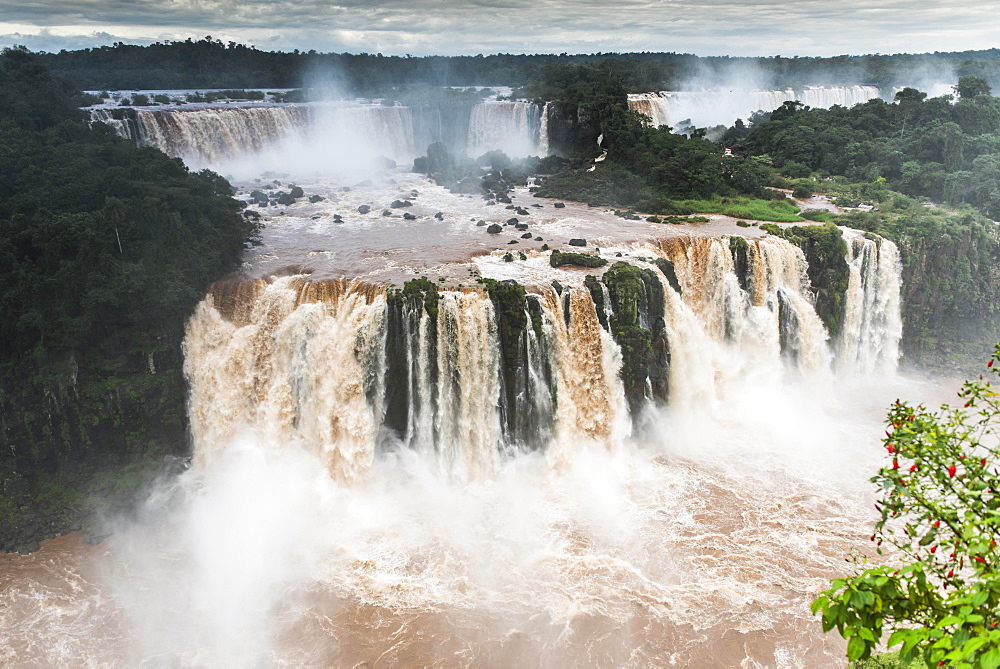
951 471
937 523
933 549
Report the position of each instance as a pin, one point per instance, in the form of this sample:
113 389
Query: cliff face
571 133
951 284
83 435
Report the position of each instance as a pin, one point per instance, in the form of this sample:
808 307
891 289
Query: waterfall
543 133
512 127
347 369
845 96
872 322
714 107
208 135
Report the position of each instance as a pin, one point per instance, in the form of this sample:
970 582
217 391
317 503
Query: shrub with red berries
940 511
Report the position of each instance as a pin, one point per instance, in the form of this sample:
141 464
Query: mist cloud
451 27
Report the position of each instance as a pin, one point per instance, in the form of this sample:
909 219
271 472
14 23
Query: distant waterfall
347 369
512 127
208 135
714 107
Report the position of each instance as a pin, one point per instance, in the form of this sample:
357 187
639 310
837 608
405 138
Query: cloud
449 27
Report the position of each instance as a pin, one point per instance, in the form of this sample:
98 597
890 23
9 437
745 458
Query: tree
970 86
940 509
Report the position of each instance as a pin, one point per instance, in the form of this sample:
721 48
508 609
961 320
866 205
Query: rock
386 212
338 217
545 247
347 189
577 242
511 221
538 239
285 198
560 259
521 212
297 192
618 255
526 235
409 217
398 204
439 216
559 205
494 229
480 222
315 198
28 547
521 226
364 209
537 205
557 287
513 241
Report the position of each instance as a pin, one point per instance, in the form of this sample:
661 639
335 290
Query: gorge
414 440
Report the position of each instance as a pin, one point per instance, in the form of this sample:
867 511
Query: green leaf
990 659
856 648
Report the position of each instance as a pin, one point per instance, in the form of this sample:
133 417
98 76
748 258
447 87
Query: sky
452 27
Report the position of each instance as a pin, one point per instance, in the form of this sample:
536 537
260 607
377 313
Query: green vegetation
562 258
783 210
636 297
940 510
209 63
920 147
105 248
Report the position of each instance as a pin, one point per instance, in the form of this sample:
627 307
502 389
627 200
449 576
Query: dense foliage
104 250
940 509
945 150
209 63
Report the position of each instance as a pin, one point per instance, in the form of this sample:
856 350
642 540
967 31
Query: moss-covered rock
561 259
638 326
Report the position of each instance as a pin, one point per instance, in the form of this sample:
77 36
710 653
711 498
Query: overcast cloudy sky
451 27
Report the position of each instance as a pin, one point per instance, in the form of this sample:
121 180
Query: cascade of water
208 135
512 127
845 96
543 133
380 129
122 121
872 322
467 418
343 369
294 363
653 105
714 107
